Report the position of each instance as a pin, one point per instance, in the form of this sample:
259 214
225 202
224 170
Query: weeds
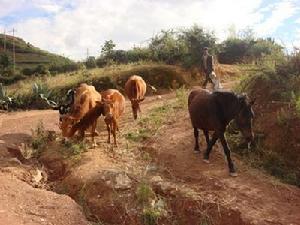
149 125
144 194
153 208
73 150
283 118
297 104
182 97
40 139
262 158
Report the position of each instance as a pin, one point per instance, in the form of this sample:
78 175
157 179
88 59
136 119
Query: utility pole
4 43
14 49
87 54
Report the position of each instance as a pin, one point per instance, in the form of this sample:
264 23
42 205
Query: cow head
107 107
135 105
245 117
66 122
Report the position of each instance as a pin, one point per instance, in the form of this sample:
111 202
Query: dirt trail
255 197
259 198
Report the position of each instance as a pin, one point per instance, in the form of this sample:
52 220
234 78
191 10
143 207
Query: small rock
158 97
156 179
122 182
151 168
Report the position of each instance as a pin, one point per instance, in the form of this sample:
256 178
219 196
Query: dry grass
72 78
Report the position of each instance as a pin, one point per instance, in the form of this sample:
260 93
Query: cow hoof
206 161
233 174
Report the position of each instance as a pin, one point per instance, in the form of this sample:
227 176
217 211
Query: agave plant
39 89
5 100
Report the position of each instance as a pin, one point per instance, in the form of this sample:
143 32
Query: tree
91 62
5 61
195 39
107 48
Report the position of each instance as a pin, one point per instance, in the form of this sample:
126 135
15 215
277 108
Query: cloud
73 26
9 6
280 12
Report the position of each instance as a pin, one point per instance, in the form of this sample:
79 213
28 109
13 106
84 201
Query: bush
28 71
41 69
91 62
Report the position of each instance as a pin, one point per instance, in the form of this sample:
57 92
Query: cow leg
196 136
209 147
108 131
206 134
94 133
81 134
114 129
232 170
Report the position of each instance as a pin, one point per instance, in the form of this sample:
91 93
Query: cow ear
242 98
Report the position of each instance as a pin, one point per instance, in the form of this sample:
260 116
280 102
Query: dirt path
259 198
256 197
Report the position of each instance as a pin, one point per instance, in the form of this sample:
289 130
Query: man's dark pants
207 79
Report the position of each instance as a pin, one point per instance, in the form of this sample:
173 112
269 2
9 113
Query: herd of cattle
209 111
86 105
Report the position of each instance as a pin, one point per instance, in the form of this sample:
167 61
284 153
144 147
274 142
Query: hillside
29 56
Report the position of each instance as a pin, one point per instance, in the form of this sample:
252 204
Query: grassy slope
276 123
161 76
28 56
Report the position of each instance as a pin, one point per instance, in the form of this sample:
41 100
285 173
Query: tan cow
85 99
111 107
135 89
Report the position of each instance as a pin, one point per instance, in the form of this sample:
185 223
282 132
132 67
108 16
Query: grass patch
158 75
72 150
40 139
144 194
150 124
262 158
153 207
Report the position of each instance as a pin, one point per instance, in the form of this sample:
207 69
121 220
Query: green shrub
284 117
144 194
40 139
297 104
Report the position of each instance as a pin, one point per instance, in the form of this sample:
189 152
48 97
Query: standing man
207 65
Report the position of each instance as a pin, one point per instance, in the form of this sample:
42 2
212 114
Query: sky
70 27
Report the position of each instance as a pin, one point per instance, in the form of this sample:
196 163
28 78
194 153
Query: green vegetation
40 139
30 60
144 193
102 78
72 148
277 112
153 207
149 125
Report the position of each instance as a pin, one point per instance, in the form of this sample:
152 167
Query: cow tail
134 89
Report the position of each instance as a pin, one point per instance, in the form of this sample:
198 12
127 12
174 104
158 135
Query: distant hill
29 56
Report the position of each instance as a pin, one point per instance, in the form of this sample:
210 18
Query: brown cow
85 99
111 107
212 111
135 89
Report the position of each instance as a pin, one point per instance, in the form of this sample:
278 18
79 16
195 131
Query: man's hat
205 48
